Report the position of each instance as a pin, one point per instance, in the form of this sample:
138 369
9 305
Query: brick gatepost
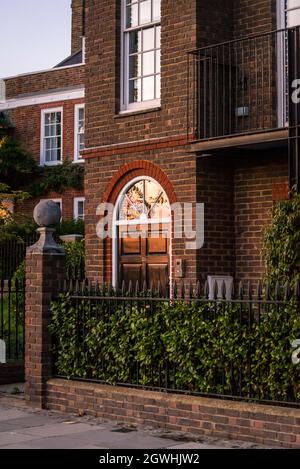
45 270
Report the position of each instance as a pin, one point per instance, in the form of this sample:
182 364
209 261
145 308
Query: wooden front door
144 255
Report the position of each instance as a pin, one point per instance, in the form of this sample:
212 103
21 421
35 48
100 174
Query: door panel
144 257
157 273
131 273
131 246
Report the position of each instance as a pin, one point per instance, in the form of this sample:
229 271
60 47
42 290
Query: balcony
239 91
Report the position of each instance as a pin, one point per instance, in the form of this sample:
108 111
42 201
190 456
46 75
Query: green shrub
208 350
282 242
75 258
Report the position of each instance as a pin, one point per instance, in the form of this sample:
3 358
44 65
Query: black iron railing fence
12 254
238 348
12 317
241 86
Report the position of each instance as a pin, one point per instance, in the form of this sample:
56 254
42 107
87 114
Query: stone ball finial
47 213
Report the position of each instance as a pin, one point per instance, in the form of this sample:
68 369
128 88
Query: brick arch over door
126 174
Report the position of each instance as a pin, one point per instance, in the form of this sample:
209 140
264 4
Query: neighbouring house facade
47 111
170 119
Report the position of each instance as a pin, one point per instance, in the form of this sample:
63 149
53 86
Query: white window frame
75 208
77 107
127 107
45 111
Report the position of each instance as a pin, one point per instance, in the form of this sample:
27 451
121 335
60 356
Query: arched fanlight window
144 201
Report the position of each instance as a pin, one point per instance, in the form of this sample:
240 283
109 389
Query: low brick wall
11 373
273 426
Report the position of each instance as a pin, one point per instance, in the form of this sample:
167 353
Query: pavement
24 428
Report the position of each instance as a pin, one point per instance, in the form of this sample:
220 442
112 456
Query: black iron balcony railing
241 86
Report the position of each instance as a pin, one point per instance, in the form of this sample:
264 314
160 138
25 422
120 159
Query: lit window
51 141
79 132
79 203
141 54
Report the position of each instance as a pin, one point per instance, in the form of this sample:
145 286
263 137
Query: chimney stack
78 24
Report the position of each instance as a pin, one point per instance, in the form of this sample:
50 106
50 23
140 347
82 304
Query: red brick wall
77 24
254 17
67 197
256 181
268 425
103 125
215 188
49 80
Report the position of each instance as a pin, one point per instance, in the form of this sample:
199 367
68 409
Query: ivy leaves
282 242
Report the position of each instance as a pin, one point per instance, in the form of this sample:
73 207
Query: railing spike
191 291
224 290
268 291
249 291
159 289
241 290
277 291
232 290
77 289
215 290
123 288
130 288
175 289
206 289
297 291
259 290
145 287
287 291
137 289
71 286
198 290
182 290
65 287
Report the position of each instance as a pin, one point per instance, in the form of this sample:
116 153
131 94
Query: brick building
185 102
207 127
46 109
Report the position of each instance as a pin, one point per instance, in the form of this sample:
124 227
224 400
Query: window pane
58 117
148 39
81 142
158 33
48 155
47 119
145 12
132 15
135 42
157 87
81 114
293 18
135 91
148 88
58 155
47 131
293 3
80 208
148 63
157 70
156 10
135 66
